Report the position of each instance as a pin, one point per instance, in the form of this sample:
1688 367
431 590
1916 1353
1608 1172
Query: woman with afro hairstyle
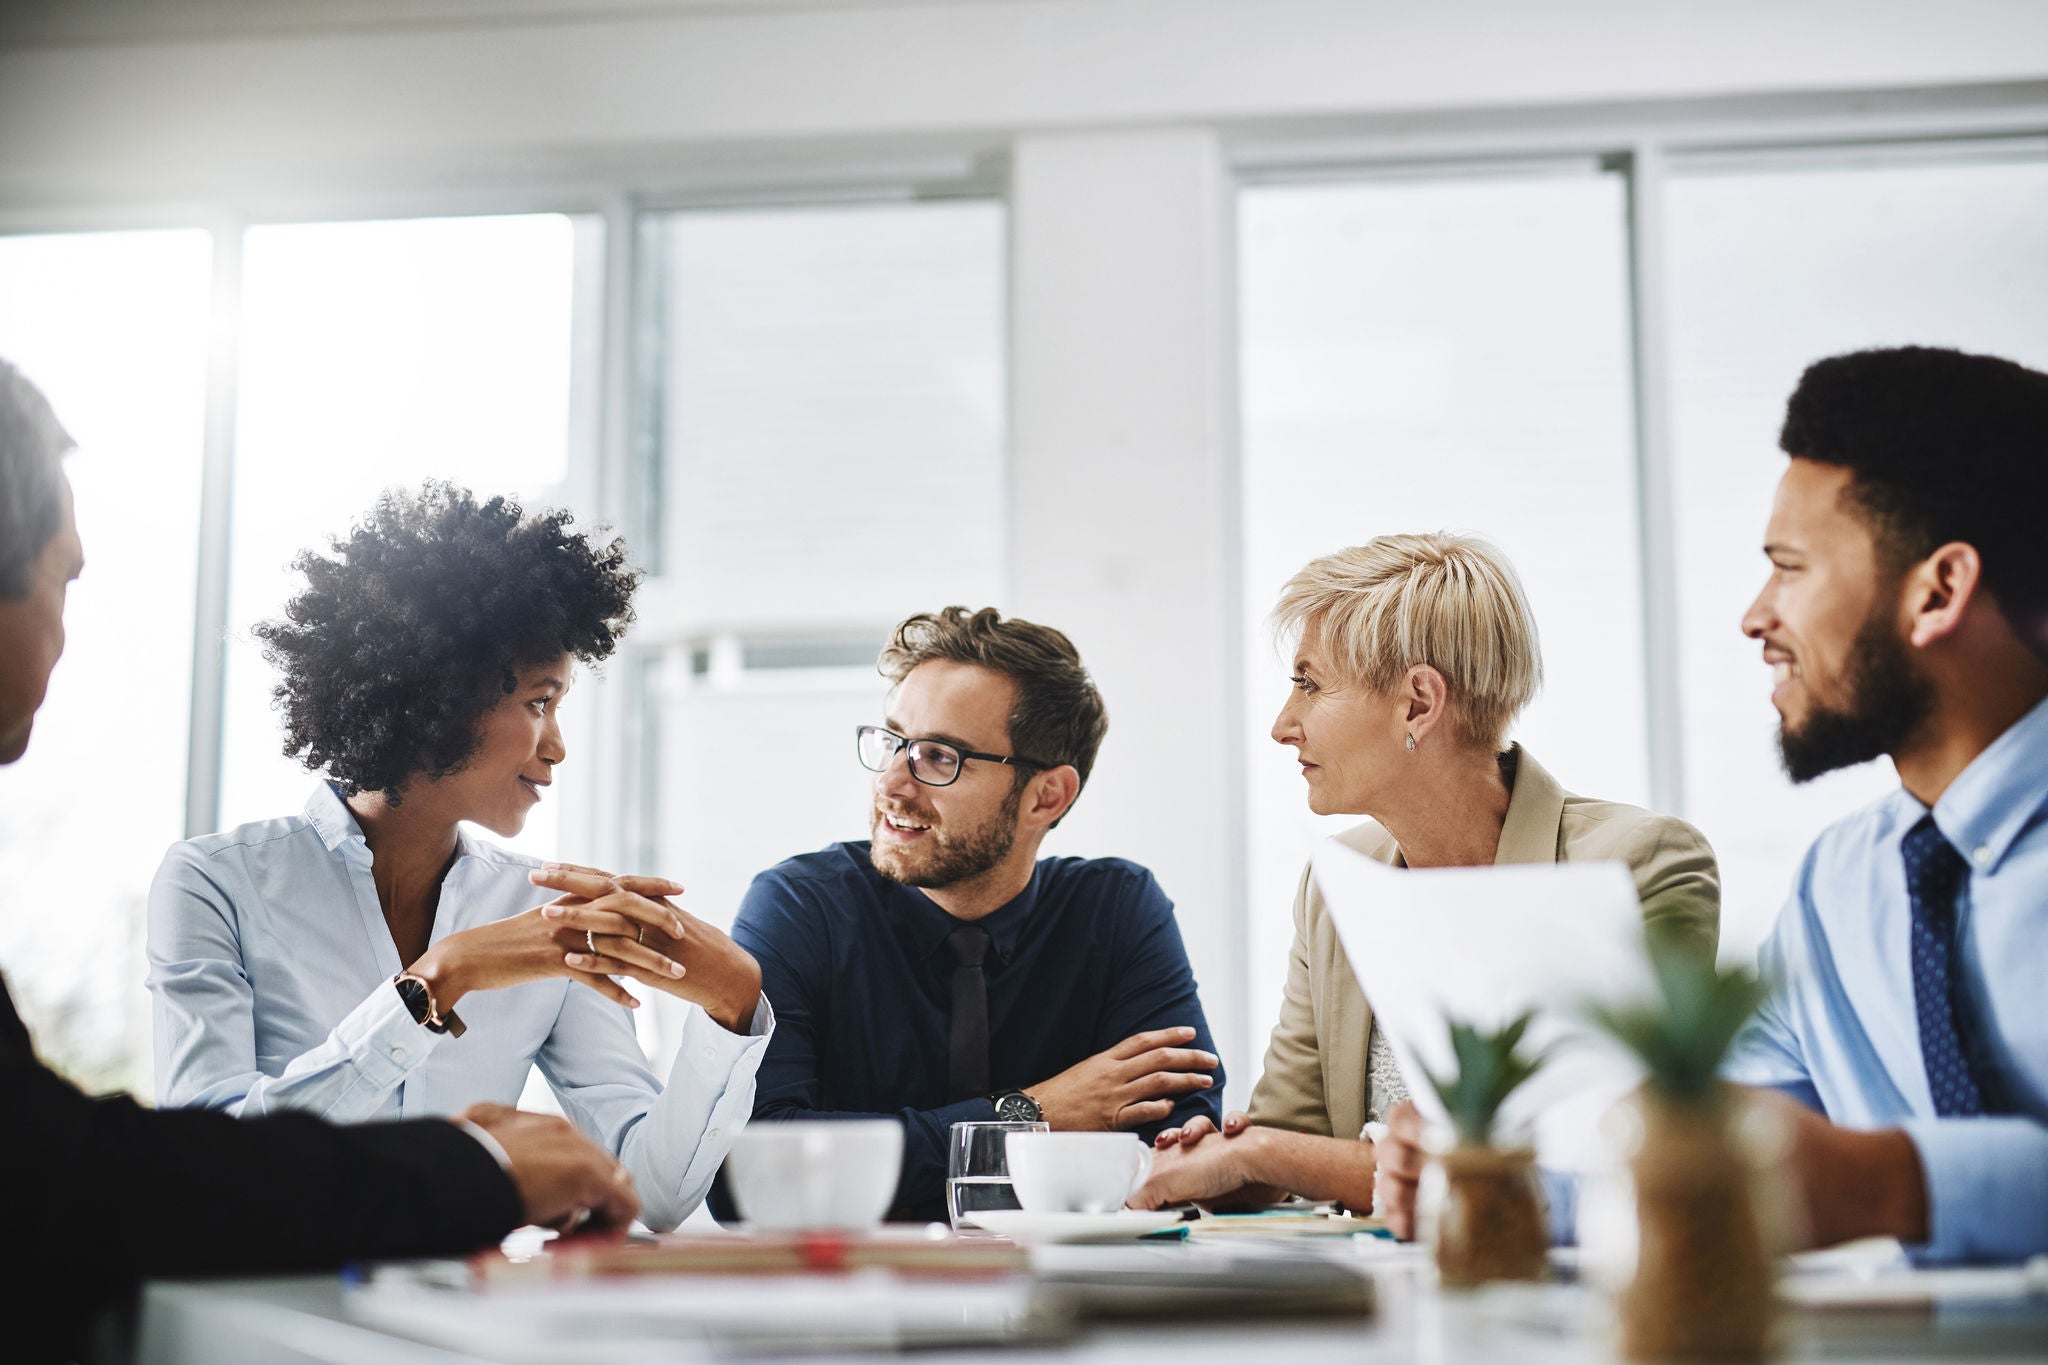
316 962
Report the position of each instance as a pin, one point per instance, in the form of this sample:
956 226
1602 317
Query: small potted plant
1702 1287
1490 1225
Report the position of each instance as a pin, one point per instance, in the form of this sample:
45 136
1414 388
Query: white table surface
311 1319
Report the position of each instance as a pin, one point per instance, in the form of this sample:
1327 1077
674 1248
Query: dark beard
1887 703
975 852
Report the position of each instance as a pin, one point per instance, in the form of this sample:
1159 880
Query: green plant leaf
1683 1035
1490 1067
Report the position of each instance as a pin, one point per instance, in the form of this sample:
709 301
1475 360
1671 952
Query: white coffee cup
813 1174
1076 1172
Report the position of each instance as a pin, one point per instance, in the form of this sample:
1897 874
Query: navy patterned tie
1934 874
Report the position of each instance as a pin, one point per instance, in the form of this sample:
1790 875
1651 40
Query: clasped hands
1243 1163
1199 1163
599 927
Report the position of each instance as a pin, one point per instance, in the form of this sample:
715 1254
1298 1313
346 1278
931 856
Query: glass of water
978 1169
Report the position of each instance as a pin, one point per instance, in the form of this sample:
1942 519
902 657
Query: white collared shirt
270 965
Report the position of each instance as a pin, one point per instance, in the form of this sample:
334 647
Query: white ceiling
67 23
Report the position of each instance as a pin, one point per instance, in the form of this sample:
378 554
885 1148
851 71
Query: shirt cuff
1987 1188
383 1039
713 1052
1560 1205
489 1143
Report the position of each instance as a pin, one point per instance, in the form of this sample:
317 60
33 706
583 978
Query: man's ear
1939 590
1052 792
1427 695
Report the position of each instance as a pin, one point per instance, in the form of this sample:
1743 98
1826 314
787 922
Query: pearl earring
1411 744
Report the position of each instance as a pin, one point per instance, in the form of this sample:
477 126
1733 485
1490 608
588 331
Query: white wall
464 103
1122 509
1114 118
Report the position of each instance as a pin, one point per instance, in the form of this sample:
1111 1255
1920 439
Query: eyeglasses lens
877 748
933 763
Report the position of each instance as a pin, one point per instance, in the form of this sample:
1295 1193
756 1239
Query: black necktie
1957 1075
967 1058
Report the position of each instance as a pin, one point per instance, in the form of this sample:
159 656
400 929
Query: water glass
978 1169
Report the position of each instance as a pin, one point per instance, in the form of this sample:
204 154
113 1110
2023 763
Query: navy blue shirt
857 970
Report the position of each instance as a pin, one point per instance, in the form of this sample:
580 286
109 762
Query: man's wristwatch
419 998
1014 1106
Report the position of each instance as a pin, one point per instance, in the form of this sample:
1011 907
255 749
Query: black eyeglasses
932 761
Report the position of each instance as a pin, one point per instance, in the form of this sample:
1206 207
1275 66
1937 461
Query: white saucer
1120 1225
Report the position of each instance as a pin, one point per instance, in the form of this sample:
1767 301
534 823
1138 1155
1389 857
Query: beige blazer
1315 1073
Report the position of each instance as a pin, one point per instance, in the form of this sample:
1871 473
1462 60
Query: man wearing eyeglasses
941 973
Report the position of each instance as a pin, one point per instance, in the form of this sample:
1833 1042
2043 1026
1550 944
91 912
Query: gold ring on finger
639 933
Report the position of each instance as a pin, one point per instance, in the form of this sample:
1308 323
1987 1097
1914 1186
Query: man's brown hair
1059 717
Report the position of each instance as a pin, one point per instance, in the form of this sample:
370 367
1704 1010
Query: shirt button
398 1054
1982 855
709 1054
713 1135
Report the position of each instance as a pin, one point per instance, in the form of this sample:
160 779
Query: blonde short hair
1452 602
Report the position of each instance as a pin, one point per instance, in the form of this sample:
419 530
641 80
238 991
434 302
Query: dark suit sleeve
103 1192
796 973
1155 989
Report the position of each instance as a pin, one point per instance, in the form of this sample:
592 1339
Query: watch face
420 1003
1018 1109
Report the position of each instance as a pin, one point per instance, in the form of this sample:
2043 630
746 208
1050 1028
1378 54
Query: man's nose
1757 621
895 780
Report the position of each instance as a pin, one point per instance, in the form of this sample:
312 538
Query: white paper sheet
1483 944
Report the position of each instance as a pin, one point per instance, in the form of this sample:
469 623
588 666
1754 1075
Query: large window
379 355
1441 355
1456 353
827 416
113 327
1771 268
817 434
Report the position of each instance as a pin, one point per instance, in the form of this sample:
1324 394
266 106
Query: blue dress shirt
1086 955
1840 1032
270 965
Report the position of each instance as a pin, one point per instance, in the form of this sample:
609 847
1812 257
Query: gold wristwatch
419 998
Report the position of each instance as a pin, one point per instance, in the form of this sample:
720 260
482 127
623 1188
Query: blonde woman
1413 656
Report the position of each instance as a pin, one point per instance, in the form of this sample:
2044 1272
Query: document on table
676 1318
1482 945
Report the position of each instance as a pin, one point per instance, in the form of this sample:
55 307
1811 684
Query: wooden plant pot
1703 1285
1491 1223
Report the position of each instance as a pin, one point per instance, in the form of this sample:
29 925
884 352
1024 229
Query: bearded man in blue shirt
1906 617
1902 617
941 972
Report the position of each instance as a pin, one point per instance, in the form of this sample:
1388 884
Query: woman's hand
1203 1167
639 933
507 952
1199 1127
1400 1158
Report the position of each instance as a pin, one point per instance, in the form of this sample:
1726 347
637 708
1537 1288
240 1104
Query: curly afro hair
1941 446
420 620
